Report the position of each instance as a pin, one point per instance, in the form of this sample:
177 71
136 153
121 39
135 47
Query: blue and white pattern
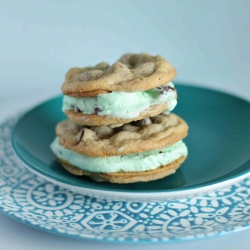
36 202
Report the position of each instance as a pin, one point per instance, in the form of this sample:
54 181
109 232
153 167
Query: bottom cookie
127 177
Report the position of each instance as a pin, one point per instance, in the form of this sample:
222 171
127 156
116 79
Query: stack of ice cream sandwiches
120 128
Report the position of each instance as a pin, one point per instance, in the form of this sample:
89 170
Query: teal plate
218 143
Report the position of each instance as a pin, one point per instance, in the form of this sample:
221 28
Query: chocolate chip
166 89
170 88
97 109
80 135
160 152
76 109
60 152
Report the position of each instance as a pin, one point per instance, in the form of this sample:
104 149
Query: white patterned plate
38 203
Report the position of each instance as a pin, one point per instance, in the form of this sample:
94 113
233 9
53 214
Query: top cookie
132 72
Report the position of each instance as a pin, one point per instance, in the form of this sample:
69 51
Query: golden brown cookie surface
144 135
127 177
132 72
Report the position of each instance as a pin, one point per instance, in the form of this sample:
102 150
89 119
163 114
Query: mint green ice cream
128 163
121 104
